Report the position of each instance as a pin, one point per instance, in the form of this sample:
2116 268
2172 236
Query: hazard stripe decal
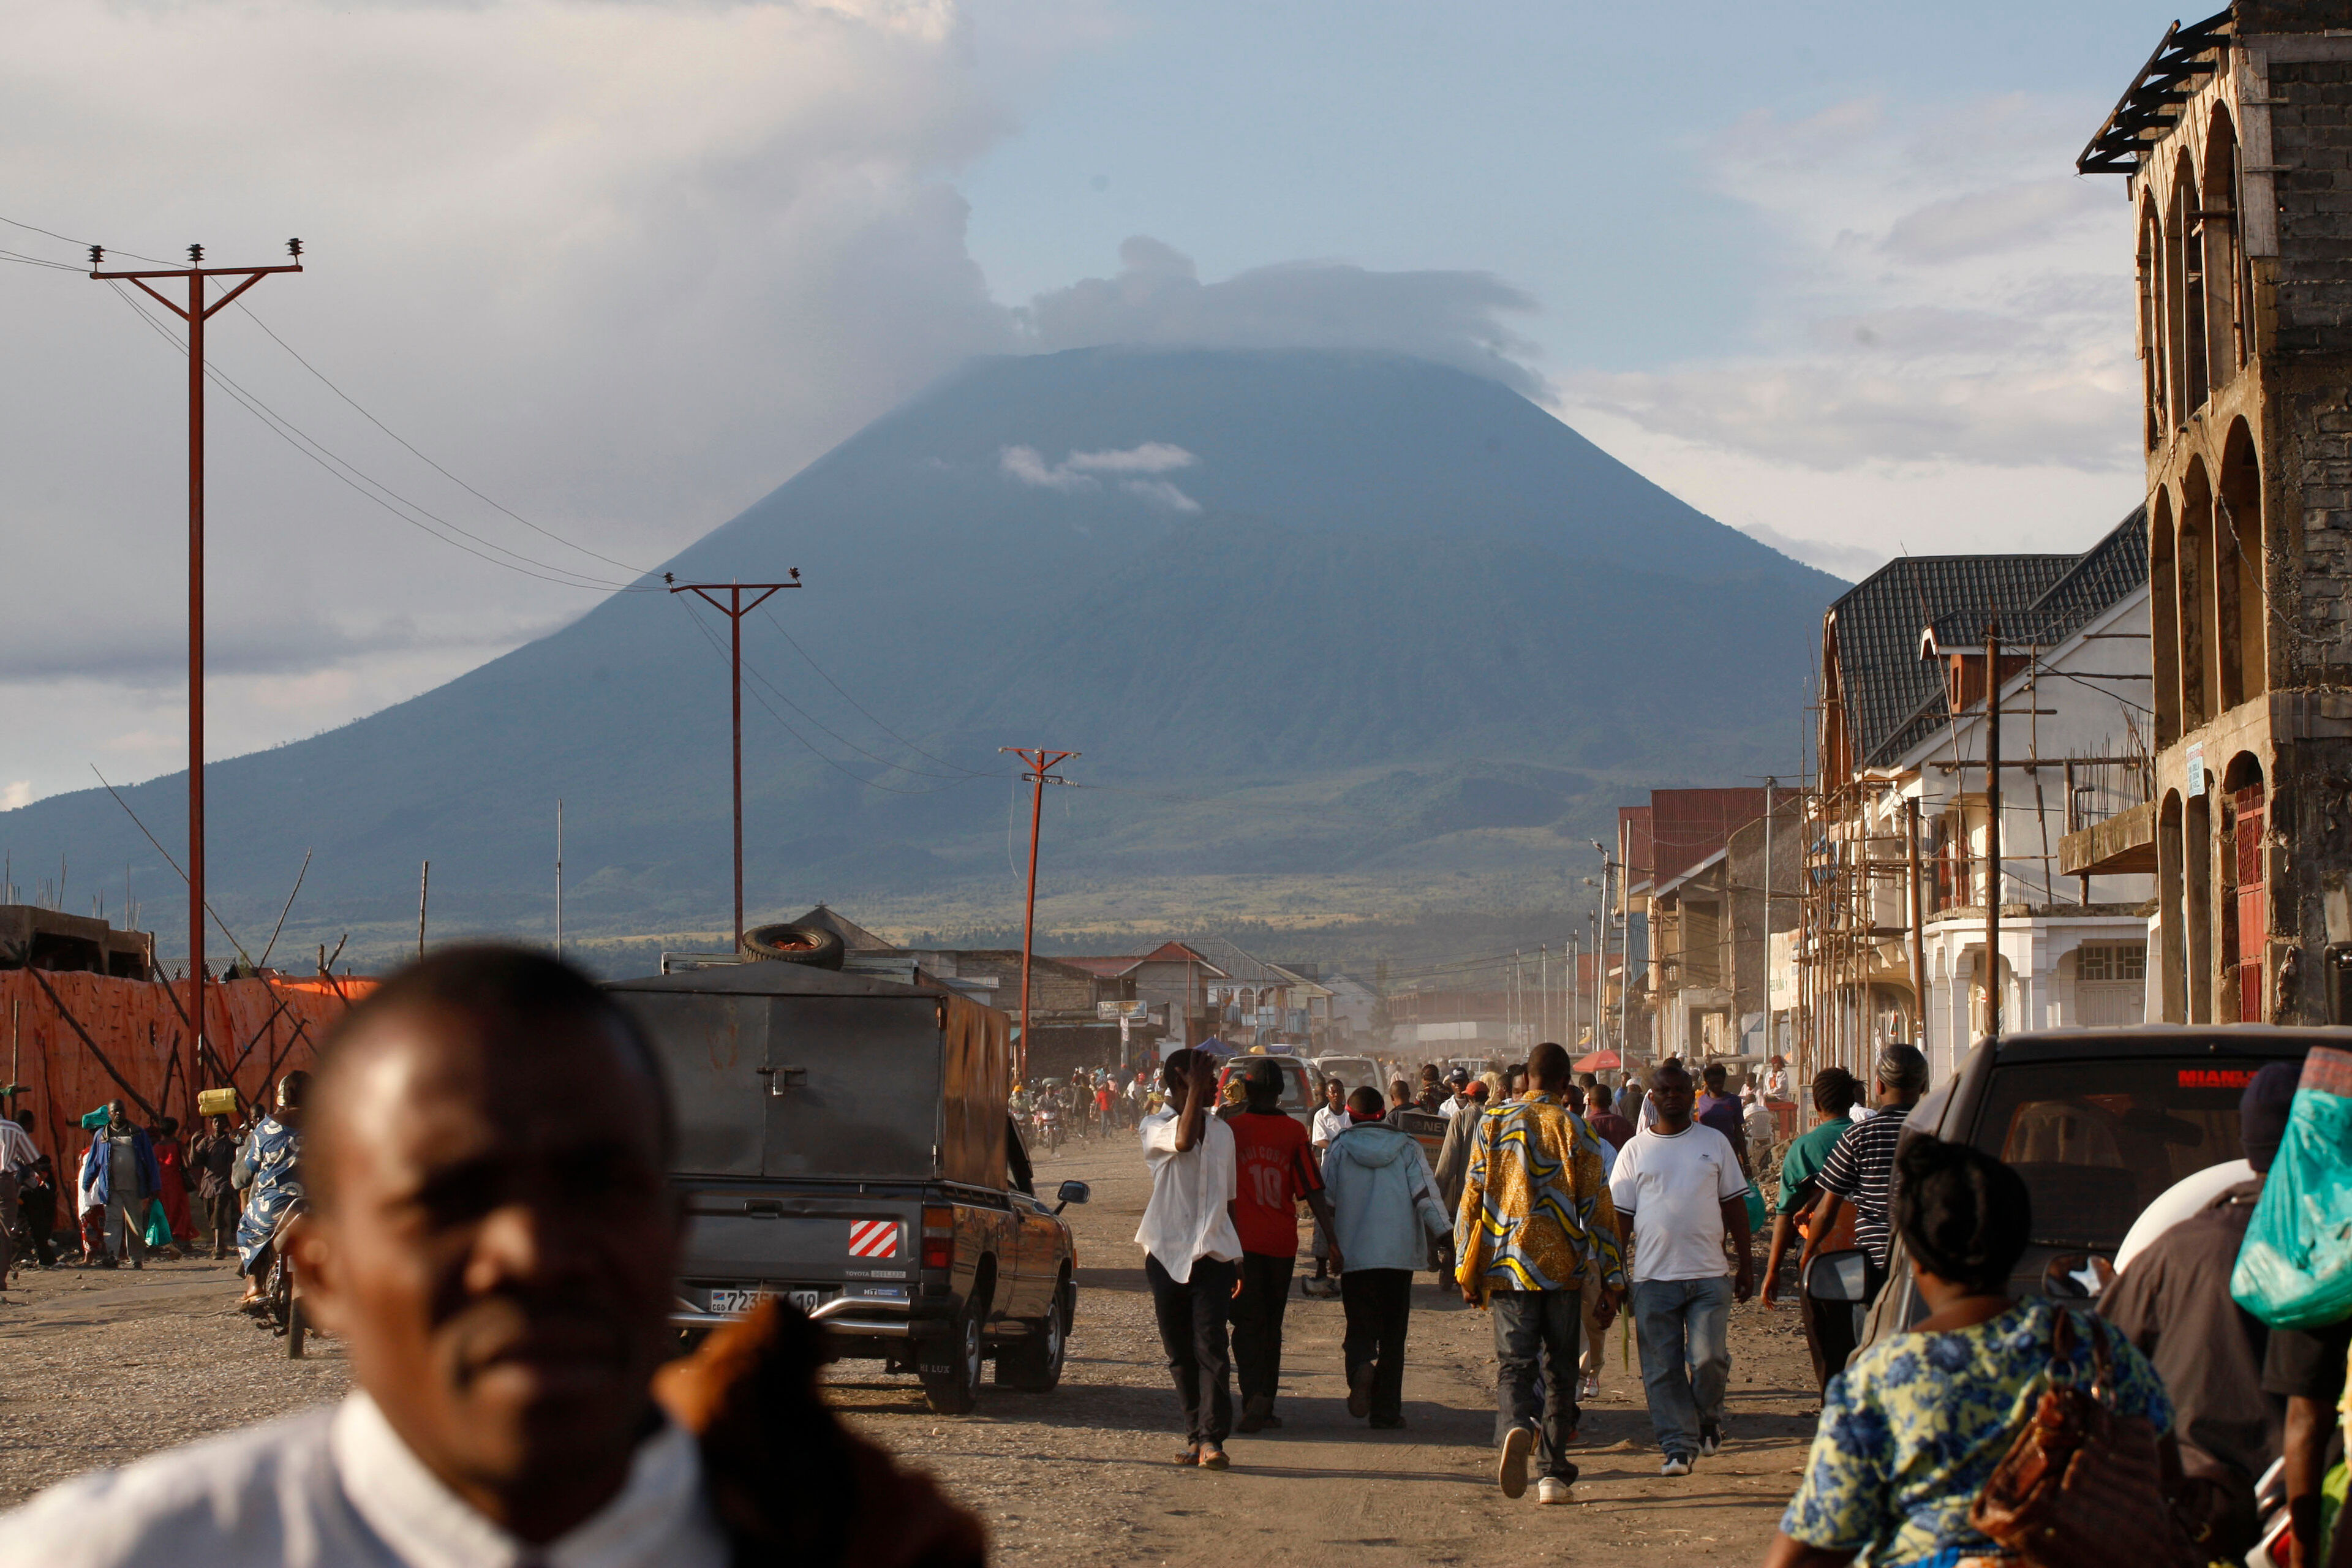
873 1239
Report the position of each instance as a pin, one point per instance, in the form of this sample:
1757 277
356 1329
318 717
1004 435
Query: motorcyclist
268 1171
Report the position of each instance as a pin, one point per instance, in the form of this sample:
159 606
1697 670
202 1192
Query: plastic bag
2295 1268
159 1229
1756 1215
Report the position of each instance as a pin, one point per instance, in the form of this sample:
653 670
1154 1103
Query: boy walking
1385 1211
1678 1191
1190 1248
1276 1169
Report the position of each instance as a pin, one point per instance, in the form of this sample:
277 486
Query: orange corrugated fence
258 1029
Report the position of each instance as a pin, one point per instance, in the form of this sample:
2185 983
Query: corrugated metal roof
1893 698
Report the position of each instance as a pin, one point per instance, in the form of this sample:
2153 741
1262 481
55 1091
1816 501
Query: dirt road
103 1366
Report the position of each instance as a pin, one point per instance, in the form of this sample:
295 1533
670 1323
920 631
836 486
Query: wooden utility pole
1042 763
195 312
424 886
1918 902
735 609
1992 828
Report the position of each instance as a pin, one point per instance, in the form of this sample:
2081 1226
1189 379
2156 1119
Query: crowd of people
142 1191
1556 1207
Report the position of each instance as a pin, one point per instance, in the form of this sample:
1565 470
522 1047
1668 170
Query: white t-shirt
1329 1124
1187 1217
1674 1186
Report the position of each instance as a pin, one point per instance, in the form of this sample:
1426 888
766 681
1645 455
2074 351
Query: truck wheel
813 945
1035 1366
956 1390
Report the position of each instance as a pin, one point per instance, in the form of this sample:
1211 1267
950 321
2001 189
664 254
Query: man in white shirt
1458 1081
1679 1192
491 1236
1191 1250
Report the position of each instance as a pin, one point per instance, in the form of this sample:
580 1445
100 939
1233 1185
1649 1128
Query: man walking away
1536 1218
1385 1211
1588 1299
1190 1248
1861 1170
1607 1125
1829 1325
212 1162
2174 1304
1678 1191
1276 1169
119 1171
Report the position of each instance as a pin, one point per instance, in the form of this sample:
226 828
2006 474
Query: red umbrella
1599 1061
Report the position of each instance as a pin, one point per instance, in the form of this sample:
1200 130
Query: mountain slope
1202 568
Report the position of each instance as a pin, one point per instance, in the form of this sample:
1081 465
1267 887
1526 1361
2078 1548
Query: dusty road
103 1366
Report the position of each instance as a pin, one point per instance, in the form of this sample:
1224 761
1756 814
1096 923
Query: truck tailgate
800 1240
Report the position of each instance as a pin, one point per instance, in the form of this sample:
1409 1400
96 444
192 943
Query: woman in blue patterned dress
1910 1430
270 1170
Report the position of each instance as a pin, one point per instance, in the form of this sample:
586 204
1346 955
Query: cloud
1076 472
1455 318
16 793
1851 562
1934 296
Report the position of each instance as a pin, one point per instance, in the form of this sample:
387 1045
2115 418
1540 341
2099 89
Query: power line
366 484
853 702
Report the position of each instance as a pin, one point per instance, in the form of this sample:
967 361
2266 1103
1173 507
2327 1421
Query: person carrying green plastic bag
2294 1272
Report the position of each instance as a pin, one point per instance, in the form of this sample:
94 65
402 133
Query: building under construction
1931 833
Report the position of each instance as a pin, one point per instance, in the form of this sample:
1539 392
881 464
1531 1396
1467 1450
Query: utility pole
1992 828
423 888
1042 763
195 312
735 609
559 876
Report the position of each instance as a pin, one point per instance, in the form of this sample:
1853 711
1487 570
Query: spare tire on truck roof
789 943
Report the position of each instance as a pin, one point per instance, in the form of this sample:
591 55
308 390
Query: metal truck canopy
783 1070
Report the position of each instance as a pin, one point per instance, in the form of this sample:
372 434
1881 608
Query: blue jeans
1535 1370
1682 1326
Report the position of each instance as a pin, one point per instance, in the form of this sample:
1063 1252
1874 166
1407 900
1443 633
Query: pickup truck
2100 1123
843 1143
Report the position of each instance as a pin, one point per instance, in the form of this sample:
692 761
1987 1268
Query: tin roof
1893 699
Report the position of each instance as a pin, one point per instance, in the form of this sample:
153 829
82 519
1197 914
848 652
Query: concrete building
34 937
2236 145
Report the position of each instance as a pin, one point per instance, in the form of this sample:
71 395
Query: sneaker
1359 1393
1710 1439
1212 1457
1590 1387
1675 1465
1511 1469
1551 1489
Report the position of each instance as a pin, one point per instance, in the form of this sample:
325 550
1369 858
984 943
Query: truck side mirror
1070 1192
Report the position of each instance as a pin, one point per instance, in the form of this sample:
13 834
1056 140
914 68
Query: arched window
2192 570
2226 295
2240 582
2164 611
2197 901
2185 288
2245 917
2154 376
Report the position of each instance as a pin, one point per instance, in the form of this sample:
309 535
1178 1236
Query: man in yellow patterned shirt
1535 1228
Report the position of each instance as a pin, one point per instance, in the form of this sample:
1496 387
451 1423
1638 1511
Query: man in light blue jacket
1385 1210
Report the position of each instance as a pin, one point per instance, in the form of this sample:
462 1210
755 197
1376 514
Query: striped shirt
1861 1170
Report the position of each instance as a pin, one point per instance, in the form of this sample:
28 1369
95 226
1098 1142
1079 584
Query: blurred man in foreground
491 1234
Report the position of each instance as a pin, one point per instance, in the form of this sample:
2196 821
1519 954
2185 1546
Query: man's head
219 1124
1572 1097
1399 1091
1835 1091
1514 1081
117 1115
1902 1074
1672 1092
1429 1072
25 1120
1458 1080
169 1126
1262 1082
1335 1093
1364 1105
1547 1068
2262 1112
1712 1075
491 1231
1177 1070
1601 1099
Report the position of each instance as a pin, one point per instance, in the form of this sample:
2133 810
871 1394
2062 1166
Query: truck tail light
938 1238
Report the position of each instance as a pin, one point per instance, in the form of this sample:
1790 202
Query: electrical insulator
294 249
196 256
97 254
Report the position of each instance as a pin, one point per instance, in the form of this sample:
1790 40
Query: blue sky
1823 270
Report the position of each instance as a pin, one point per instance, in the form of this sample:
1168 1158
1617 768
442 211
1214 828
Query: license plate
744 1300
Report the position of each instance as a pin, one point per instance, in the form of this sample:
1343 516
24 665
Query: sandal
1191 1455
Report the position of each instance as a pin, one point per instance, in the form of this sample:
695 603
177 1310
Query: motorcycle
278 1307
1050 1132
